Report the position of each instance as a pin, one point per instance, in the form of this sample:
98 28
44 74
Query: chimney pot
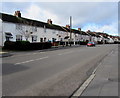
49 21
67 26
79 29
17 14
88 31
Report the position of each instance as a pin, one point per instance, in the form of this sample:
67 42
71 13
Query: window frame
19 37
34 38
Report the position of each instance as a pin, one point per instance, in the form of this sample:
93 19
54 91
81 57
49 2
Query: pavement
105 82
5 54
50 73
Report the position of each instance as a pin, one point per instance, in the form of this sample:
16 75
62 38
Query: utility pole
70 30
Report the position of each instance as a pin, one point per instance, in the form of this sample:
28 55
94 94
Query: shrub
9 45
62 43
83 42
99 42
22 45
38 46
26 45
71 42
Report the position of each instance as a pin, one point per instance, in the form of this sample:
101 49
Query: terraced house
16 28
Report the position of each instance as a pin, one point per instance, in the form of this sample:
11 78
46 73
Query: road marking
27 54
65 53
94 71
31 60
83 87
86 83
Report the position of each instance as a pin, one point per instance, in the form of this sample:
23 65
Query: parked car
91 44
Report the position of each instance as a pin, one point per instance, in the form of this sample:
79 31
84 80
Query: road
50 73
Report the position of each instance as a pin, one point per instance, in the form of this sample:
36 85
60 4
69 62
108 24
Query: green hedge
9 45
39 46
26 45
22 45
83 42
116 42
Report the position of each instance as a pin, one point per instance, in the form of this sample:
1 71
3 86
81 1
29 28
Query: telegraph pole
70 30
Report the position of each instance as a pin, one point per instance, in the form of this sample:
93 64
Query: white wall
8 27
1 38
40 33
1 32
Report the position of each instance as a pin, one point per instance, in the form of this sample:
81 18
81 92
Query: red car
91 44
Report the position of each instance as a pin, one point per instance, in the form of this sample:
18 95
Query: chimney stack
17 14
67 26
88 30
79 29
49 21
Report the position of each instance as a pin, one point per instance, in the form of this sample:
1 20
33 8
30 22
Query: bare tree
25 28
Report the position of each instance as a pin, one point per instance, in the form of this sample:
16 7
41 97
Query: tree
25 28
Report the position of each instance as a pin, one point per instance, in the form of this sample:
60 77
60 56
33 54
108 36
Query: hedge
116 42
39 46
9 45
99 42
83 42
22 45
26 45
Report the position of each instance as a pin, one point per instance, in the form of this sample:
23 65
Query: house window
44 29
44 39
18 37
41 39
53 39
34 38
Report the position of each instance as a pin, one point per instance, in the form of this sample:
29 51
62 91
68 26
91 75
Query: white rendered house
17 28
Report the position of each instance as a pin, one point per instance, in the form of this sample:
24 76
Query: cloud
60 1
111 29
37 13
97 15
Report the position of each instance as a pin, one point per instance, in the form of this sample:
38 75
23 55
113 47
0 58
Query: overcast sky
94 16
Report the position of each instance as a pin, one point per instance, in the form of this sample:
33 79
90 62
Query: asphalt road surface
50 73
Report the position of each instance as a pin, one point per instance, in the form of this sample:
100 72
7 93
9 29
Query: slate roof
105 35
14 19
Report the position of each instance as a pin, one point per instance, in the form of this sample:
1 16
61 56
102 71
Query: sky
94 16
